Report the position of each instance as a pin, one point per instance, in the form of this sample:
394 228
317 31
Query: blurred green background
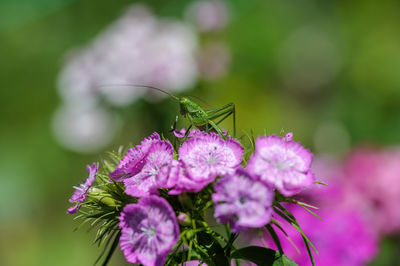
325 70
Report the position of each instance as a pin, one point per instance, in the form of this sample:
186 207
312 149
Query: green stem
228 247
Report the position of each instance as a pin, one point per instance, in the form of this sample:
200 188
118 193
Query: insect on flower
156 181
202 119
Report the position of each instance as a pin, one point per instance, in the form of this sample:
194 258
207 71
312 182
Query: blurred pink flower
346 236
375 175
343 238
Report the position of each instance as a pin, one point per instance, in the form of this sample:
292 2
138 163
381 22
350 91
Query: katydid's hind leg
213 111
233 113
225 111
220 113
223 118
216 128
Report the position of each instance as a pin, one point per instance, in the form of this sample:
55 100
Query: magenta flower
242 201
367 180
149 230
282 163
73 209
134 160
374 174
180 133
343 238
144 183
194 263
168 175
180 182
192 133
80 192
202 158
207 156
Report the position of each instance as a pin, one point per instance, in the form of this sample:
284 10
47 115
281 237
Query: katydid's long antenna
198 98
143 86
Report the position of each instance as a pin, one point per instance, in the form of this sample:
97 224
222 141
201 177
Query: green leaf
109 167
321 183
292 220
103 251
303 204
112 249
275 237
115 156
296 225
180 257
313 213
214 250
262 256
276 223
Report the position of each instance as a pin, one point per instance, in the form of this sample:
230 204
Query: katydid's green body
202 119
196 115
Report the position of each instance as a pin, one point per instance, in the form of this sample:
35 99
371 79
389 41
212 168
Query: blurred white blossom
208 15
83 128
214 60
76 84
136 49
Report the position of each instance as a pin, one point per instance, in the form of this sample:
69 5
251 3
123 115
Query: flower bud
184 219
100 196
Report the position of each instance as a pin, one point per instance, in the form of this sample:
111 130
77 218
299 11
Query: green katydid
197 116
203 119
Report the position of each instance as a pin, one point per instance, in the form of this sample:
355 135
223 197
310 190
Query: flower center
150 232
281 165
212 159
242 199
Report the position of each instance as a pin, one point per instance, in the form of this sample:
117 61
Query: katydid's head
183 103
189 107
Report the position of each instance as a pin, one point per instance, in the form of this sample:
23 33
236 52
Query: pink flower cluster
374 175
149 228
242 195
343 237
368 180
356 208
151 165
